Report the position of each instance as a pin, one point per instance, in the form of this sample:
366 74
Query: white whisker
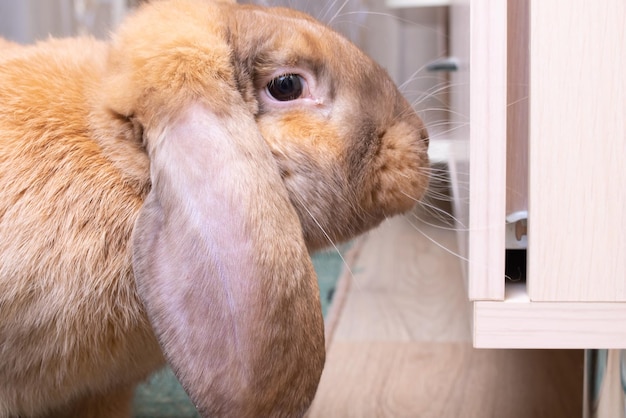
434 241
345 263
338 12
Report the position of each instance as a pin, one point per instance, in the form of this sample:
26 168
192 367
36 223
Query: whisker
442 216
397 19
326 10
444 248
338 12
445 226
449 216
432 91
434 241
435 131
413 77
520 100
330 241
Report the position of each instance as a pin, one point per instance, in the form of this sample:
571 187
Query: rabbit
161 193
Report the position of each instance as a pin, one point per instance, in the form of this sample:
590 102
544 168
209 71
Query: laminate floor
399 342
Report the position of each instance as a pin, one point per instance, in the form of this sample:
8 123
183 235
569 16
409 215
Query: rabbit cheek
308 152
309 155
304 130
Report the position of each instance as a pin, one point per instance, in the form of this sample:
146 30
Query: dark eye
286 87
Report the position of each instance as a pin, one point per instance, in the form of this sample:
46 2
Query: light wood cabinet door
554 74
577 193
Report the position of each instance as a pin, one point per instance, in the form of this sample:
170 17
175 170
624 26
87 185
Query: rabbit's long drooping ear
223 270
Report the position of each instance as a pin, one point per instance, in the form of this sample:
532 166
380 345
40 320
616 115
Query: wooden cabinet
544 85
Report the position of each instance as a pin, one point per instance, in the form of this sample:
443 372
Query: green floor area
163 397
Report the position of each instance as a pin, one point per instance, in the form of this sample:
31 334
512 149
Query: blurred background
402 39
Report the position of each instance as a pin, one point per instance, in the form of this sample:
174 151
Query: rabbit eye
286 87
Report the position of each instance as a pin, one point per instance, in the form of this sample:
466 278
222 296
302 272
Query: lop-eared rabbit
160 194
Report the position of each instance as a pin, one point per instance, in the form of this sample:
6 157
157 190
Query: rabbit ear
222 268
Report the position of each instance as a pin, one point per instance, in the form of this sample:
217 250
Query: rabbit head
350 149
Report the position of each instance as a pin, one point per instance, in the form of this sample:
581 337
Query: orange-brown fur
79 120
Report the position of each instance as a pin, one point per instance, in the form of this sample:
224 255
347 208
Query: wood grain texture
577 198
401 345
400 293
448 380
488 107
519 323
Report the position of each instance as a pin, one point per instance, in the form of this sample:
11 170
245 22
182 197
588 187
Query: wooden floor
400 342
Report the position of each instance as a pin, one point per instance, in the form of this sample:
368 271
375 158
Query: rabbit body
71 322
80 125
